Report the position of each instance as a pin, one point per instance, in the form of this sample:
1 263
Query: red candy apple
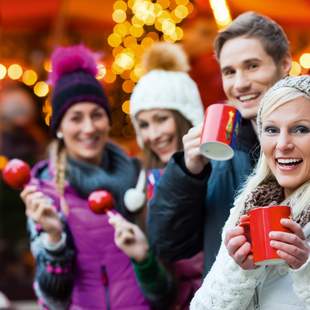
100 201
16 173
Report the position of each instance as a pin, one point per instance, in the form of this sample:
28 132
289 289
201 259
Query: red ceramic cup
220 129
259 223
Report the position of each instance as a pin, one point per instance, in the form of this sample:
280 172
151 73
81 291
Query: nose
284 142
153 134
242 83
88 126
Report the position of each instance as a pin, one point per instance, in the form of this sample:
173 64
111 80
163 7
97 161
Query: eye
75 119
228 72
252 66
143 125
162 119
271 130
98 115
300 129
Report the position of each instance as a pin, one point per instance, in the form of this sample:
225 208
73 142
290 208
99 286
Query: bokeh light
47 65
181 11
128 86
295 69
114 39
2 71
140 23
221 12
29 77
101 71
119 16
126 106
120 5
109 77
41 89
3 161
47 111
15 71
304 60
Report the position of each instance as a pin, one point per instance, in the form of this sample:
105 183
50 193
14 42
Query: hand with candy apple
39 208
129 238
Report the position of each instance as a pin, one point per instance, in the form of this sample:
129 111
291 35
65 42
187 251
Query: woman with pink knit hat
78 265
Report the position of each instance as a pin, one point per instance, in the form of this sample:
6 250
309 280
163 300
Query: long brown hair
151 160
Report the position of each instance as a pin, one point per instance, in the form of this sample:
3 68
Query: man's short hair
253 25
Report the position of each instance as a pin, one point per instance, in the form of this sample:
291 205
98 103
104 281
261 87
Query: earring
59 135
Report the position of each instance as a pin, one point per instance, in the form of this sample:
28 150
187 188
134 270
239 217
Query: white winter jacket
229 287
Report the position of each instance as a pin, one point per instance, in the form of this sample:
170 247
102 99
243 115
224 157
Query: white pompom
134 199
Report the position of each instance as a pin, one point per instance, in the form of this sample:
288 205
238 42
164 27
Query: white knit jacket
229 287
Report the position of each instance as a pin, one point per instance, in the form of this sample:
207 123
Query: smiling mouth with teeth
289 162
248 97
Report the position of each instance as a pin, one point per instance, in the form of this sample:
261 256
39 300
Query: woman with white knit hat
164 105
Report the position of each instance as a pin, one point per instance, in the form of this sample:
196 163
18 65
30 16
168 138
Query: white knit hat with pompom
167 85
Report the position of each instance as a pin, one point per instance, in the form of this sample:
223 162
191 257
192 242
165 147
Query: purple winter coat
103 275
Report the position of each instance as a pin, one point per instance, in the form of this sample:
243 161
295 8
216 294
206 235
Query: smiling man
194 197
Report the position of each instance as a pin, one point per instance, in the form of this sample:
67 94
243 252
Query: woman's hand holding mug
291 246
239 248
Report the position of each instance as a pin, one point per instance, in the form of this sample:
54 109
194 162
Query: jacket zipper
105 282
256 299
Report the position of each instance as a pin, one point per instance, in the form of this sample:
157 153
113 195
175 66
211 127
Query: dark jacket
187 212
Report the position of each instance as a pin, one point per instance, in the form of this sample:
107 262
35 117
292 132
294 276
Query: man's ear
286 64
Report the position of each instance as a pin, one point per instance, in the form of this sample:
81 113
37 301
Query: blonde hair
272 100
58 159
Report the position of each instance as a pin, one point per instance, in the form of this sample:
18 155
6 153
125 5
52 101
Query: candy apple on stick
16 173
101 202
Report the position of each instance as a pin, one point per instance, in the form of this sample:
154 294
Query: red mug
259 223
220 129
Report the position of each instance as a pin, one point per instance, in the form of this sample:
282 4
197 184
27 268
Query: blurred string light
304 60
3 161
125 106
221 13
47 111
15 71
3 71
47 65
140 23
30 77
295 69
101 71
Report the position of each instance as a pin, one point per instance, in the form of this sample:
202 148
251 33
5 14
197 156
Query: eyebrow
293 123
244 62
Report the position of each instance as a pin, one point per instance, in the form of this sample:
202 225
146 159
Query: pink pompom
69 59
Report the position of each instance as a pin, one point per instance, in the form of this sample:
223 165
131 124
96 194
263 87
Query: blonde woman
282 176
78 265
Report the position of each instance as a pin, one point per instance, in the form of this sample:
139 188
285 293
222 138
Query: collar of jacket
247 140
